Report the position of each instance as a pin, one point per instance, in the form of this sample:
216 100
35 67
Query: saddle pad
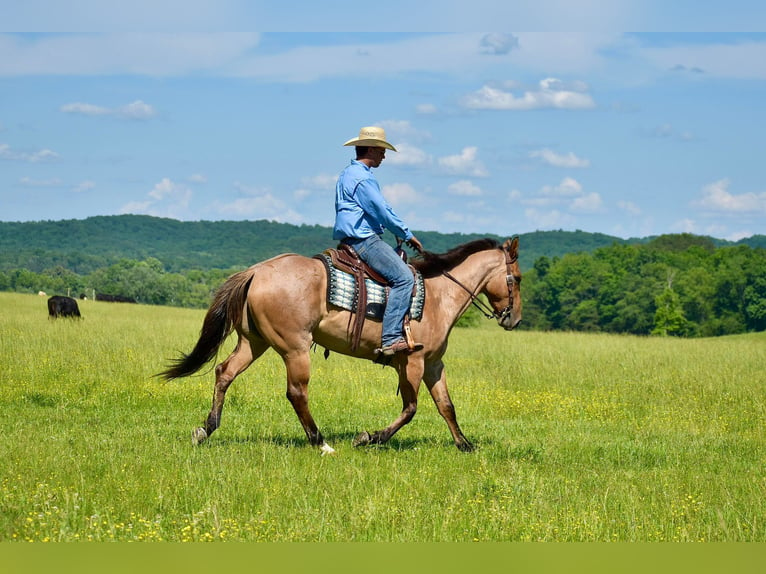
341 292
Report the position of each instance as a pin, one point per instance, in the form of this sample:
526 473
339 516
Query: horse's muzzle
507 319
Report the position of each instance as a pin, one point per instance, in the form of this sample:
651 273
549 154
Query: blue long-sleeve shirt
360 208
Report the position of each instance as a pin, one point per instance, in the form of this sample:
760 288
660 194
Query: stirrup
400 346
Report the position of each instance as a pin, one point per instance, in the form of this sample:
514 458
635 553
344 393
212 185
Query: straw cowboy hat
371 136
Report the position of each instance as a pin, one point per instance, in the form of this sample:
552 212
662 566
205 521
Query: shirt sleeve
370 198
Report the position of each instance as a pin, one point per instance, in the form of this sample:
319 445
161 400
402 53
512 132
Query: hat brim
370 143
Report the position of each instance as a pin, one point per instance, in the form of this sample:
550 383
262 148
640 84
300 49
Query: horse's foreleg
436 381
410 375
225 373
298 374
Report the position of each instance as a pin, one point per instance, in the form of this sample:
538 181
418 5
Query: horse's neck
467 279
476 270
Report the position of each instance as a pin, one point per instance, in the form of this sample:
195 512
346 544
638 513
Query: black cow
59 306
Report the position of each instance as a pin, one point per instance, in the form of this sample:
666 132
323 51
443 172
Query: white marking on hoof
326 449
199 435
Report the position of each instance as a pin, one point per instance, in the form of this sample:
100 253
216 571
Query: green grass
580 438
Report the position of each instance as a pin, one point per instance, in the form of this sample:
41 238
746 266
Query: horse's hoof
465 446
199 435
363 439
326 449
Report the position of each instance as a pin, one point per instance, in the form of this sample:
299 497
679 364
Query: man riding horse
361 216
282 304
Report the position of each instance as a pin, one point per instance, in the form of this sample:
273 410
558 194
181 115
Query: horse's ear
512 247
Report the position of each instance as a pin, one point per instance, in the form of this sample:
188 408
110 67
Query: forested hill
84 245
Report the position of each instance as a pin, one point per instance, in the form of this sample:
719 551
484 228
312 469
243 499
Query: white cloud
629 207
257 203
265 206
685 225
139 207
716 197
551 93
589 203
545 220
302 193
466 163
232 54
56 182
667 131
737 235
426 109
567 188
569 160
152 54
465 188
742 60
238 55
85 109
541 201
568 194
86 185
498 44
322 181
167 189
408 156
7 153
166 199
555 53
137 110
321 184
399 194
197 178
402 129
469 220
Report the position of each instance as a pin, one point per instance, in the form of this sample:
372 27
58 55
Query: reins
483 308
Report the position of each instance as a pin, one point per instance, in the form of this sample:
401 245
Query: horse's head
504 288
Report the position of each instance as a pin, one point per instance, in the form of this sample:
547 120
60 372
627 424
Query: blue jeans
382 258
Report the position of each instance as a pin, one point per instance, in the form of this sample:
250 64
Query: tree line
145 281
84 245
683 285
680 285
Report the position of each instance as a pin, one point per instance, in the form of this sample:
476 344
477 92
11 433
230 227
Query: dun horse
281 303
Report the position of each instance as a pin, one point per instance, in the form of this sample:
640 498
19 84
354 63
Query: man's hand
415 244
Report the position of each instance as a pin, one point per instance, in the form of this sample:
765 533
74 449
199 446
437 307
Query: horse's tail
224 314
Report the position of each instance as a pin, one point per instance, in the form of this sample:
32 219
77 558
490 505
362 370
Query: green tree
669 317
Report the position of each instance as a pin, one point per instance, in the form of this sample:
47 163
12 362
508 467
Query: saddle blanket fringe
341 292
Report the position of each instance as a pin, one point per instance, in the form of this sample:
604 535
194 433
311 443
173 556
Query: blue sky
629 134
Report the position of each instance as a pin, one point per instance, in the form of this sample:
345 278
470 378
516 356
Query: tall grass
580 438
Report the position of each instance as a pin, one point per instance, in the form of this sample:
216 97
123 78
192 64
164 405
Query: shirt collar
364 165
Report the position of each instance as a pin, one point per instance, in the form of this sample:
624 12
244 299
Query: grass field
579 438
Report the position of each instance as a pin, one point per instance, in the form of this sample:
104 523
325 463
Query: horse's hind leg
298 365
240 359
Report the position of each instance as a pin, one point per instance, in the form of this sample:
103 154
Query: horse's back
287 291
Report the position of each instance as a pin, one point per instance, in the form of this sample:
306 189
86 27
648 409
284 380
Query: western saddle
346 259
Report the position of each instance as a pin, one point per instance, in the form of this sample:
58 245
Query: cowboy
361 215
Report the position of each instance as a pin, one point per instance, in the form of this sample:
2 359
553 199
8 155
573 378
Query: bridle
483 308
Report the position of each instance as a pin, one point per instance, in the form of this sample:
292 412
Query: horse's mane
433 264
